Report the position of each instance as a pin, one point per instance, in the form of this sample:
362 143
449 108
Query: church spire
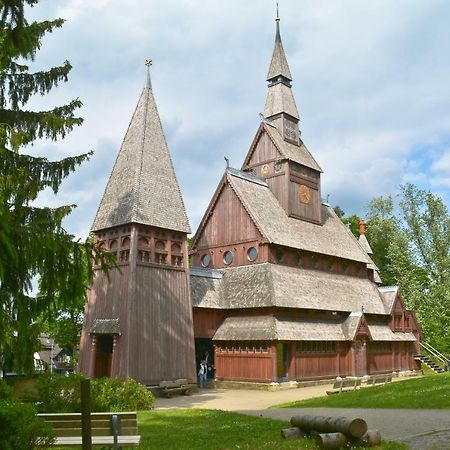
279 67
143 187
280 107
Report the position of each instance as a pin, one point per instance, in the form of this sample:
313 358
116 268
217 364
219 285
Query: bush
114 394
21 428
6 391
55 393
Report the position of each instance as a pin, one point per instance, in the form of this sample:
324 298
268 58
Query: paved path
419 429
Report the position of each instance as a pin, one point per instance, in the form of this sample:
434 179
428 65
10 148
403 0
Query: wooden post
86 430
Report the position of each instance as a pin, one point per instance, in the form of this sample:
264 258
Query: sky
371 81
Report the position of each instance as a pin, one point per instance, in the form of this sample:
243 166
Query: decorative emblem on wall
265 169
304 194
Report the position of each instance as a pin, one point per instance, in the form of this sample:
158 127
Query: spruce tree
33 242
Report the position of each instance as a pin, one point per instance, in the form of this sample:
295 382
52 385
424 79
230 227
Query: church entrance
360 357
204 350
103 355
282 362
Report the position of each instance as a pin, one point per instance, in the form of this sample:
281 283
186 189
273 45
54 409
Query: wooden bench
345 385
108 429
168 388
379 379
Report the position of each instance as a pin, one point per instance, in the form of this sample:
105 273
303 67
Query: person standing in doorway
202 374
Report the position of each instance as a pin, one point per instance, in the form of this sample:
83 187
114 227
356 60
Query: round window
228 257
252 253
206 259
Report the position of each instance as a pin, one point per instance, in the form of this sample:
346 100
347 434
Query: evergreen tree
33 242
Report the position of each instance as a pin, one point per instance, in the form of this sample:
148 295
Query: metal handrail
435 353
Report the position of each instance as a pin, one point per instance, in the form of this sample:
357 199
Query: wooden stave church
279 289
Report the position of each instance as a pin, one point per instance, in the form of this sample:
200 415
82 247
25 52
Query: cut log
293 433
352 427
330 440
372 437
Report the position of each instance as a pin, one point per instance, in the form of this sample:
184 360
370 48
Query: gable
363 328
261 151
226 221
399 306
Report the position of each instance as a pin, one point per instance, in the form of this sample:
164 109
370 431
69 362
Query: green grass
431 392
190 429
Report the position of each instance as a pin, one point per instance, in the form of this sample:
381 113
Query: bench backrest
69 424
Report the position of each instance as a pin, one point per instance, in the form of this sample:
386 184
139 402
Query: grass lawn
431 392
201 429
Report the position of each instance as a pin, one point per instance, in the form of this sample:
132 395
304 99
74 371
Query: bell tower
138 318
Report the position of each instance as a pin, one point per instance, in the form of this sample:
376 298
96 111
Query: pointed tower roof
278 64
142 187
279 97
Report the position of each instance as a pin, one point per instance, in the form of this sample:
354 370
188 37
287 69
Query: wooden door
103 356
360 358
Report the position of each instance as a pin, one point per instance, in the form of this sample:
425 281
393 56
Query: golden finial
148 62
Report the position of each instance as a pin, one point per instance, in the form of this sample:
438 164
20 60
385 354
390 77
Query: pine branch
17 86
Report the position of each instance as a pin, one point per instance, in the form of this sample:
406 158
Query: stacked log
332 432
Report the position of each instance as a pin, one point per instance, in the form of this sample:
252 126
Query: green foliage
21 428
113 394
420 259
6 391
431 392
382 229
55 393
32 239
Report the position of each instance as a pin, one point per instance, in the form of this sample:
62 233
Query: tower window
228 257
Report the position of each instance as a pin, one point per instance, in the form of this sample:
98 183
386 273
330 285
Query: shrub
21 428
114 394
55 393
6 391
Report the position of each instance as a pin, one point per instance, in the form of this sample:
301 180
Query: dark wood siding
152 302
228 223
242 365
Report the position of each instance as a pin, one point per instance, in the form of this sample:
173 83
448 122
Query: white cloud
370 79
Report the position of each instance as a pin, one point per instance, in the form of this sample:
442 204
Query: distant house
51 357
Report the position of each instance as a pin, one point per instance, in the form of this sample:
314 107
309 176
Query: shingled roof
296 153
331 238
269 328
267 285
142 187
280 99
278 64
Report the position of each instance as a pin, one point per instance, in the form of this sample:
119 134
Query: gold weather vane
148 63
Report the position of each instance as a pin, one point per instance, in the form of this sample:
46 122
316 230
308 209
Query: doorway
282 362
103 355
204 349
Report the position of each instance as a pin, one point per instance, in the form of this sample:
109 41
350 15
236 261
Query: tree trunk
352 427
372 437
330 440
293 433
